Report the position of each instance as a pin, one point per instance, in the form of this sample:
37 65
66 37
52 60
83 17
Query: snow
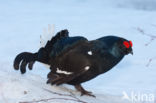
22 23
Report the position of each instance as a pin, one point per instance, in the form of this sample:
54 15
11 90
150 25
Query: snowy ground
22 23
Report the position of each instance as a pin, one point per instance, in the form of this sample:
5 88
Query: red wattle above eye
126 44
130 42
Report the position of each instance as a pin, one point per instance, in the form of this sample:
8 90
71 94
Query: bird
75 60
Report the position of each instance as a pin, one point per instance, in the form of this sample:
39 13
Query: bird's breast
103 62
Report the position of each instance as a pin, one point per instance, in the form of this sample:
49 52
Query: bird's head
118 46
125 46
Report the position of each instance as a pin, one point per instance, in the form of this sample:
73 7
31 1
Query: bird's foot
83 91
88 93
52 77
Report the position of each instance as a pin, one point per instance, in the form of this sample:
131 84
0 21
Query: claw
87 93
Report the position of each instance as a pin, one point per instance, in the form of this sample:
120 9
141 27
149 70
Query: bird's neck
116 52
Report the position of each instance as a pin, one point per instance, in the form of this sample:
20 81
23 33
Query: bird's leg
83 91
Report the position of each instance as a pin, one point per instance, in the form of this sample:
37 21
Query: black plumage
74 60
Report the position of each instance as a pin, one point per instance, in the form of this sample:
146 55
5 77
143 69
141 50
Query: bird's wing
60 35
70 64
64 44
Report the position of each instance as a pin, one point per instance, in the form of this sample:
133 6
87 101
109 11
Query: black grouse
74 60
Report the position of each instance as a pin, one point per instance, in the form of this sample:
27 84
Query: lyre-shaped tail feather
27 58
23 59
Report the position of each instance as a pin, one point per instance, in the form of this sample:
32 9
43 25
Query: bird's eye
126 44
130 42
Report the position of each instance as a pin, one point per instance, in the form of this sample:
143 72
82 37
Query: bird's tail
26 58
23 59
